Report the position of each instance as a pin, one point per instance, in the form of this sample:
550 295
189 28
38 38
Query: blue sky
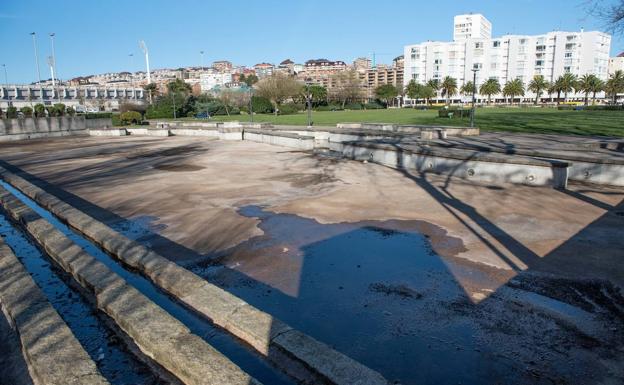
94 36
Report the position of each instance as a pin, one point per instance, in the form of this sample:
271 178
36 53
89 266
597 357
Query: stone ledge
152 329
53 354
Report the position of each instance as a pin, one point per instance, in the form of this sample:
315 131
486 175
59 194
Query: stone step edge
51 351
268 335
155 332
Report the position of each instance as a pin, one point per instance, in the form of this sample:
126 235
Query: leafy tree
567 84
317 92
27 111
490 87
590 83
59 109
434 84
449 88
179 85
11 112
468 88
386 92
261 105
514 88
413 89
250 79
278 88
537 85
40 110
152 91
615 84
131 117
233 98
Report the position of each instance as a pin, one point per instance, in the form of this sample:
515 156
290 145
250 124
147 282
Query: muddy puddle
378 292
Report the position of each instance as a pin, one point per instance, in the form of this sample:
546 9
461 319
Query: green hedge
98 115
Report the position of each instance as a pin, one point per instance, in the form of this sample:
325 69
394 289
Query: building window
479 45
568 54
566 69
539 63
496 44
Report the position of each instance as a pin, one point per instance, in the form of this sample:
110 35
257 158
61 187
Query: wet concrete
241 355
377 292
115 363
13 367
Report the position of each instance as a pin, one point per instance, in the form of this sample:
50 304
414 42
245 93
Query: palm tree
567 83
489 88
514 88
537 85
434 84
615 84
449 88
589 83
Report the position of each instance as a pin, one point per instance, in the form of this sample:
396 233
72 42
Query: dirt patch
179 167
301 180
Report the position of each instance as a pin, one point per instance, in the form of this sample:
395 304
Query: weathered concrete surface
32 128
574 237
278 138
251 325
159 336
53 354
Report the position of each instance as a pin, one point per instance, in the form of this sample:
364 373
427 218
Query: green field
536 120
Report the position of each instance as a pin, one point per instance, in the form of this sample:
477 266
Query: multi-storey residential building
507 57
222 66
616 63
380 75
324 65
212 79
264 69
362 64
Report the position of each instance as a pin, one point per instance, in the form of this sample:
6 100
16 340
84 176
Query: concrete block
175 279
255 327
334 367
214 303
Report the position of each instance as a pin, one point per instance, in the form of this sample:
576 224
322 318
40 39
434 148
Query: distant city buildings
616 63
264 69
507 57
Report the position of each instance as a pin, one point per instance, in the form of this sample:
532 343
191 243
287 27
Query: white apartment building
213 79
507 57
616 63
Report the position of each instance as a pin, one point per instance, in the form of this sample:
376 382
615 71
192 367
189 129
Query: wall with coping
33 128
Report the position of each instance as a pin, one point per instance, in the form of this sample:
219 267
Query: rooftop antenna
146 52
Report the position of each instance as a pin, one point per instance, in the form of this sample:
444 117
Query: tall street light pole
201 60
308 97
54 65
6 84
474 91
37 64
149 78
132 75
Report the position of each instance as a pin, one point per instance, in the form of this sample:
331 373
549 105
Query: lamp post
6 85
131 56
474 91
33 34
201 60
58 80
308 97
250 104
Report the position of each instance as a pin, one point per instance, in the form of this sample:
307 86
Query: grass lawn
536 120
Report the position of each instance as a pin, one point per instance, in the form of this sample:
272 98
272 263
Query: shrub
27 111
131 117
605 108
329 107
98 115
40 110
289 108
374 106
59 109
71 111
116 120
11 112
354 106
261 105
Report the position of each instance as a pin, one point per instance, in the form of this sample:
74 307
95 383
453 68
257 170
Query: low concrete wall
108 132
156 333
292 351
280 138
194 131
411 128
51 351
148 131
33 128
486 168
599 173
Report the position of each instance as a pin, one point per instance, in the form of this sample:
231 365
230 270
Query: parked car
202 115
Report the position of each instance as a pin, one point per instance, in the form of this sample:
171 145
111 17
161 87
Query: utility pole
251 104
33 34
309 102
201 60
474 91
54 65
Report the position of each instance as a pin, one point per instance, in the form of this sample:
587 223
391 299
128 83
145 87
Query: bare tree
610 12
346 87
278 88
232 98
